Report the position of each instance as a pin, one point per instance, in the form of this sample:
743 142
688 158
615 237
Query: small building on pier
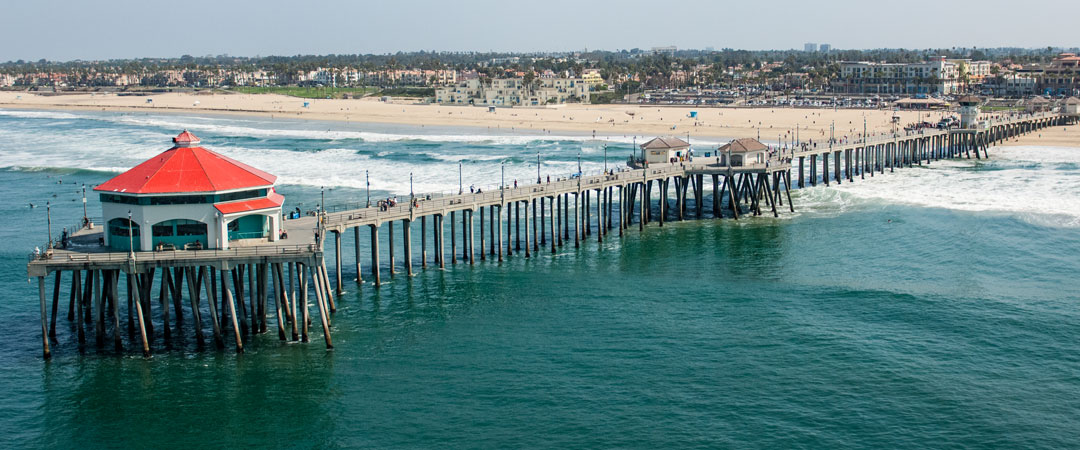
743 152
664 149
1071 106
969 110
189 197
1037 104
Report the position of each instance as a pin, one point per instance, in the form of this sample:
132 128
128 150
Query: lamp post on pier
367 183
605 157
86 219
131 239
459 188
48 218
538 166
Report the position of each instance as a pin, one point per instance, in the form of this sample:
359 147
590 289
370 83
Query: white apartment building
930 77
513 92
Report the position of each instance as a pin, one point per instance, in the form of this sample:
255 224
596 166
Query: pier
238 283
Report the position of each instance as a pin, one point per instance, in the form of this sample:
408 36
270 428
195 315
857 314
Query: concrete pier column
356 250
390 247
825 167
801 180
577 219
406 242
556 232
483 252
423 242
535 231
599 216
453 237
510 229
498 227
337 262
528 250
551 223
566 216
836 167
492 228
375 254
642 205
466 234
517 226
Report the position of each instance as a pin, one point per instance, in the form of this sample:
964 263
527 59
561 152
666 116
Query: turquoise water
933 307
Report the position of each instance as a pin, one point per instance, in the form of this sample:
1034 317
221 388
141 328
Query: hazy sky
80 29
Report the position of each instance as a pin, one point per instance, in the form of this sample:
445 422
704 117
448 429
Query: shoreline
770 125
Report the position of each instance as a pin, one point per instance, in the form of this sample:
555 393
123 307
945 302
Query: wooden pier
527 219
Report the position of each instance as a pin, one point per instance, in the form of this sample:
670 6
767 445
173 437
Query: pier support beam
375 254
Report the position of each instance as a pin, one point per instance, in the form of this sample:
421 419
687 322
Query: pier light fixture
84 216
537 166
322 199
460 190
48 218
605 154
131 240
367 184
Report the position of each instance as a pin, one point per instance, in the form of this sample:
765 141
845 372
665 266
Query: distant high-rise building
825 48
809 47
670 50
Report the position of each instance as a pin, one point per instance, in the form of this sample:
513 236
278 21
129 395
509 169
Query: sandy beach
618 120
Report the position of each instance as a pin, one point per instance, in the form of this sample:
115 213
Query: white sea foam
1037 184
36 114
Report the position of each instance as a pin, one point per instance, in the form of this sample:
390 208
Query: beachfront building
189 197
664 149
513 92
1062 76
930 77
743 152
971 72
592 77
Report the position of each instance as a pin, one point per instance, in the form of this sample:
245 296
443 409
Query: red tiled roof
274 200
184 168
186 139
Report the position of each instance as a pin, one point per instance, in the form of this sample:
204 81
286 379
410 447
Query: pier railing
60 256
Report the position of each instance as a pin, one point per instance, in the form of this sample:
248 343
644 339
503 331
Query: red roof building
189 197
187 168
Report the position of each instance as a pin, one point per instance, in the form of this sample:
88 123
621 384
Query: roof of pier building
743 145
1072 101
969 100
664 142
187 168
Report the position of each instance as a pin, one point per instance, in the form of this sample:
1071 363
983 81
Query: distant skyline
65 30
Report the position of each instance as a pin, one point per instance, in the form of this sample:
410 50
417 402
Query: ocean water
931 307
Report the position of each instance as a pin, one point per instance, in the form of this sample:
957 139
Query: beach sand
611 120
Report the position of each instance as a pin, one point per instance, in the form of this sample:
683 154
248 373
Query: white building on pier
189 197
